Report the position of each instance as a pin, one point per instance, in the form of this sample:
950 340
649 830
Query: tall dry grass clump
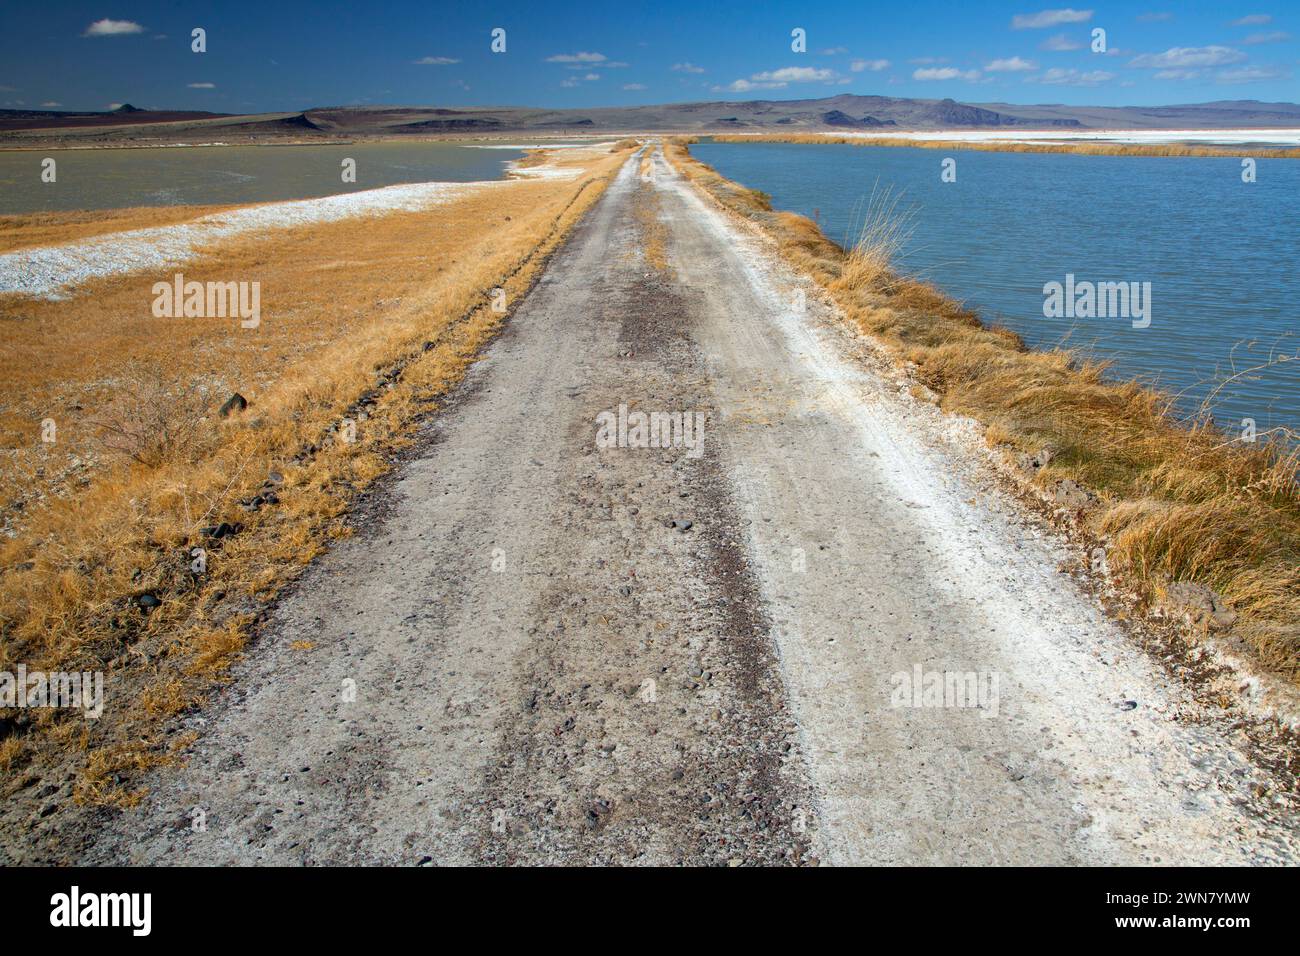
1172 500
883 232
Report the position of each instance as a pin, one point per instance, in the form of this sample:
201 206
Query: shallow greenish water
115 178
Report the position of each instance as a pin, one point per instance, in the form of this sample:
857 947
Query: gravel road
540 649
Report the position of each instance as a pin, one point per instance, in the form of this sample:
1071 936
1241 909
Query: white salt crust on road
48 271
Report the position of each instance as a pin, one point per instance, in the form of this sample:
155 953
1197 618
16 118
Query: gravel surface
564 653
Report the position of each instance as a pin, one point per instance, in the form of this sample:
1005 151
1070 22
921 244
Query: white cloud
112 28
50 105
744 86
1253 20
434 61
1154 17
590 77
1275 36
875 66
945 73
202 86
1251 74
634 86
793 74
686 68
576 58
1189 56
1179 74
1013 64
779 79
1057 76
1049 18
1059 44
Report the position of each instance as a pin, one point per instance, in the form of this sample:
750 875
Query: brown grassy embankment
1171 500
1083 149
367 320
54 228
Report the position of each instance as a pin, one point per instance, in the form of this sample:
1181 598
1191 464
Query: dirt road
538 649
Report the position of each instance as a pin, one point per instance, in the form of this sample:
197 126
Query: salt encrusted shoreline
49 270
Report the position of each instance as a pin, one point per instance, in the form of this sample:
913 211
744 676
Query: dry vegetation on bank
1172 501
993 146
54 228
367 320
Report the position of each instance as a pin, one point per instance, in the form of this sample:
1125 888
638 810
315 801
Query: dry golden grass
625 144
1083 149
1176 501
363 320
53 228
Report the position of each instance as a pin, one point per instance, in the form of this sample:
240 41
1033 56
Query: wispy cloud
834 51
1274 36
1049 18
1059 43
112 28
945 73
435 61
1251 74
576 58
202 86
686 68
50 105
1253 20
1154 17
1189 56
875 66
1058 76
633 87
1012 64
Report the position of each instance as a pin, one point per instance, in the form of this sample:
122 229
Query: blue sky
282 54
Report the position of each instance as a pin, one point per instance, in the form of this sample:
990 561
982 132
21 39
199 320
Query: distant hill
129 124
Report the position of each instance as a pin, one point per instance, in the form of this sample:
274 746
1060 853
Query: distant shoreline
1082 147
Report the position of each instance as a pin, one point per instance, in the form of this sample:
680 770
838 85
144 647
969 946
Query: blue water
1221 255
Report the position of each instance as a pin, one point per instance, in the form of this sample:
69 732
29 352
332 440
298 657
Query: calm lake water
112 178
1221 255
